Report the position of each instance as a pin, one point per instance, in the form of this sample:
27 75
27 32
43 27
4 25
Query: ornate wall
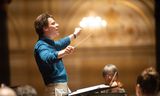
128 40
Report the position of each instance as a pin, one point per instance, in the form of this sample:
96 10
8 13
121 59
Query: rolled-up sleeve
62 43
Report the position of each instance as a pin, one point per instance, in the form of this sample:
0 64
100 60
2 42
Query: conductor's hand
68 50
77 31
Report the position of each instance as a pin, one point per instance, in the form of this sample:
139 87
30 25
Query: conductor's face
52 29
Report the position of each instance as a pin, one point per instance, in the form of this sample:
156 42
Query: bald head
6 91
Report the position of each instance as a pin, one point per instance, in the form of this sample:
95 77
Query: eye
53 23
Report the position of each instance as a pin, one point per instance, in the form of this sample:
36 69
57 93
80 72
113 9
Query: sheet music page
89 89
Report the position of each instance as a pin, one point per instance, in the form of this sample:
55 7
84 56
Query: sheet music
88 89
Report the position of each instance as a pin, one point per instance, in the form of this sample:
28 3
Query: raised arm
69 49
76 33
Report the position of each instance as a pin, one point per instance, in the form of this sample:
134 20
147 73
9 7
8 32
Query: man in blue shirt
49 53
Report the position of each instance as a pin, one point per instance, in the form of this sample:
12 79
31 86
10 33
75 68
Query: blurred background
124 35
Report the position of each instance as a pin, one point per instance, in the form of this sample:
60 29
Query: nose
57 25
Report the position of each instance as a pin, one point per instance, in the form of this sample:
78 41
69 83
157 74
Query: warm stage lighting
92 22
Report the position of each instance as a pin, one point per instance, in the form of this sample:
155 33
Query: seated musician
147 83
110 75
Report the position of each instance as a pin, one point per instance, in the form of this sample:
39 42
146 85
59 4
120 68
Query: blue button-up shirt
46 55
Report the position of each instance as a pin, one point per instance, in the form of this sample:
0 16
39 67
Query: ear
45 29
138 90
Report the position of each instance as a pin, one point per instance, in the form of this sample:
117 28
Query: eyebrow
53 22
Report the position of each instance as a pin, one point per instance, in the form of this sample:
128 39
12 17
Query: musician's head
110 73
6 91
147 82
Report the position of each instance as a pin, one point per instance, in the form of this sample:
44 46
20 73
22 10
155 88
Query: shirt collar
47 40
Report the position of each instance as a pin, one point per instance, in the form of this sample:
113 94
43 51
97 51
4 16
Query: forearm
69 49
61 54
62 43
75 33
72 36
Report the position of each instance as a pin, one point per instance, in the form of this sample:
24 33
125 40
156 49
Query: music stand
90 90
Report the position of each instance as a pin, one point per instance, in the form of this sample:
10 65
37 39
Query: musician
110 75
6 91
147 83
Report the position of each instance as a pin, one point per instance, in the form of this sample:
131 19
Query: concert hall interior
120 32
